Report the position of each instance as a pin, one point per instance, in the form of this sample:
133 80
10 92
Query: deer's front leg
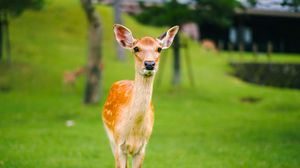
120 158
137 159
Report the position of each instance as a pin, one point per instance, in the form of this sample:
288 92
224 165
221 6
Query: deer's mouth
148 73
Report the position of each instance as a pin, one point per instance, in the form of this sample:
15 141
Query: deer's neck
141 99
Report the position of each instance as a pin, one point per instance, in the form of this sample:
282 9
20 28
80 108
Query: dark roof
271 13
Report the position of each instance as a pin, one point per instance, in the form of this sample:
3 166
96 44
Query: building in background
280 29
266 24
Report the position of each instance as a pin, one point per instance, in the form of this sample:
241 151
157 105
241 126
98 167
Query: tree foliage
171 13
16 7
294 5
217 12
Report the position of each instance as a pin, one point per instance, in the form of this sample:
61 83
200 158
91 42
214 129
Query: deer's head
147 49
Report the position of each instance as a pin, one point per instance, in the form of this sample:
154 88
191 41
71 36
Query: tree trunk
176 66
6 35
118 19
92 89
1 37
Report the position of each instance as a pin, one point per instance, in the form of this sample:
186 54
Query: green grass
202 126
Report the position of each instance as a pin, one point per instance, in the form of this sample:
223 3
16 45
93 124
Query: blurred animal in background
190 30
70 77
209 45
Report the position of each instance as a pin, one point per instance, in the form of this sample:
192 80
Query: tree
294 5
13 8
92 89
118 19
217 12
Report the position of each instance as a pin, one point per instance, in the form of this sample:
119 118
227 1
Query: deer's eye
159 49
136 49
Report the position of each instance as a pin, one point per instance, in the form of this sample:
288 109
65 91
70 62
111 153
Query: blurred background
226 95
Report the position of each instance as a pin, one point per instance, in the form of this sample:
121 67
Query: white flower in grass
70 123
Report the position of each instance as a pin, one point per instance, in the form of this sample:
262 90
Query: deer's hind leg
111 139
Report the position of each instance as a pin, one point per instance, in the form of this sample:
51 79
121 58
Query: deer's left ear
124 36
167 38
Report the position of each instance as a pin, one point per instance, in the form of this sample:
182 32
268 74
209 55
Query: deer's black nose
149 65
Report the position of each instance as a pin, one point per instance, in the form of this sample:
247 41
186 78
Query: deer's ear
124 36
167 38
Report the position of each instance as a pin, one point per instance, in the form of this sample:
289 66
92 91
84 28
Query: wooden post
189 64
269 50
254 50
230 48
241 49
176 61
220 45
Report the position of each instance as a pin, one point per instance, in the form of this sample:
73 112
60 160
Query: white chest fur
137 134
137 125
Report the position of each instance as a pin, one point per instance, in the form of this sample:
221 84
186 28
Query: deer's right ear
124 36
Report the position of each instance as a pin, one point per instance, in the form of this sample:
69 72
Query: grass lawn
205 126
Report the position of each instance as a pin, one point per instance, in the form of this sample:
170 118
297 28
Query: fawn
128 114
209 45
70 77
